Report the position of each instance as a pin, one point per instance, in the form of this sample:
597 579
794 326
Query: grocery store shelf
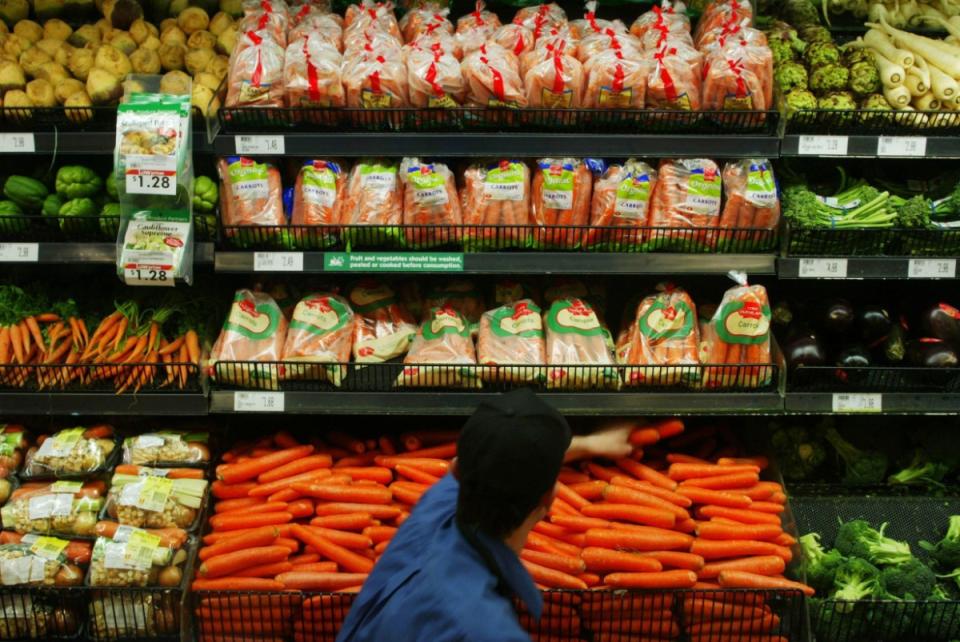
890 403
906 146
499 144
516 263
460 403
103 403
866 268
72 142
83 253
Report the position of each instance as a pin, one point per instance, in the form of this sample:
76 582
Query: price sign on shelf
259 145
19 252
17 144
258 402
932 269
849 402
278 262
823 268
822 146
902 146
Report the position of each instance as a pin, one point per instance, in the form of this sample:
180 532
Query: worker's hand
611 441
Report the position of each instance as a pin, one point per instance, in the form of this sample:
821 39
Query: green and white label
444 320
573 316
248 179
429 187
320 314
521 319
703 192
633 197
761 189
252 320
744 322
379 177
387 262
319 184
557 186
505 182
667 321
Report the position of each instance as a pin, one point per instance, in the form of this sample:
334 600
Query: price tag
858 403
258 402
154 492
138 551
902 146
278 261
823 268
49 548
822 146
932 269
259 145
19 252
148 276
155 175
17 144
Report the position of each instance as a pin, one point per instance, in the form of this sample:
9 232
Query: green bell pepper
205 194
110 219
110 184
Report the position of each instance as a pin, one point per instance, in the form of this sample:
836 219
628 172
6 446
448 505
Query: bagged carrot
251 193
511 338
739 333
383 329
736 81
321 332
311 73
722 12
374 198
318 193
427 17
492 75
496 197
595 44
430 199
256 72
462 296
590 24
514 38
560 197
443 339
615 81
669 16
621 198
372 16
434 78
312 21
578 348
664 332
751 193
375 80
674 81
255 330
540 18
687 196
555 82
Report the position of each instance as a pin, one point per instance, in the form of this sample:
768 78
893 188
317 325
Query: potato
85 35
193 19
197 60
67 88
175 83
81 62
111 59
140 30
56 29
29 30
201 40
40 93
49 46
11 76
219 67
14 45
79 99
173 36
104 26
206 79
32 58
227 40
201 98
145 61
219 22
152 43
103 87
122 41
166 23
16 104
172 56
123 13
63 53
53 73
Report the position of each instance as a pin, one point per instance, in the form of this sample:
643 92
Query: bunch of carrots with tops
292 517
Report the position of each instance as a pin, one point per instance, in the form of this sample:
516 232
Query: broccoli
828 78
797 452
939 617
821 54
799 100
791 75
820 566
864 78
859 466
912 580
921 471
856 579
949 205
946 552
858 539
915 212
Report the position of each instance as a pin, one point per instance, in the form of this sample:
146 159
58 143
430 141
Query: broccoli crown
858 538
860 466
828 78
946 552
791 75
911 580
819 565
856 579
921 471
915 212
939 619
864 78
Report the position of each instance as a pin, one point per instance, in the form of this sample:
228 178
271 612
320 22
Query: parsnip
936 52
878 40
943 86
898 96
926 102
914 84
891 74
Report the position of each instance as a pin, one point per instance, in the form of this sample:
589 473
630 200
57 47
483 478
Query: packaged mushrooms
36 560
156 497
167 448
64 508
72 452
128 556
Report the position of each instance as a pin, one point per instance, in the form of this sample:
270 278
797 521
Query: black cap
513 447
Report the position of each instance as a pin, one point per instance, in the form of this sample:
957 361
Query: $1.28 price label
157 182
148 276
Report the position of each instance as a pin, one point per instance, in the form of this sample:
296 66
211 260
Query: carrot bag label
505 181
320 182
384 330
442 339
633 195
744 322
321 331
576 343
761 188
521 319
511 337
574 316
703 191
248 178
429 186
558 180
378 177
255 320
254 330
665 320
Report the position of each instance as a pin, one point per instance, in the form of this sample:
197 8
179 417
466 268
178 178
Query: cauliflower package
156 497
74 452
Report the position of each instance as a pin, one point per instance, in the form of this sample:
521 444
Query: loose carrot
646 473
237 521
318 581
375 511
723 482
669 427
378 474
641 538
676 559
604 559
303 465
570 496
590 490
569 476
237 584
759 461
193 346
761 565
300 508
552 578
644 436
579 524
774 508
436 467
379 534
762 532
344 522
252 539
355 541
415 474
211 539
742 515
265 570
354 493
228 505
669 495
785 539
220 490
564 563
716 497
622 494
723 549
267 507
344 558
229 563
631 513
658 580
742 579
600 472
681 472
560 507
317 567
241 472
547 544
446 451
406 494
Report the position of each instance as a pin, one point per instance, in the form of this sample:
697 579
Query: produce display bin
82 229
97 377
873 379
800 241
42 613
866 122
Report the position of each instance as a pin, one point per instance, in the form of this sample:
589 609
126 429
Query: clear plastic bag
497 194
751 196
156 497
663 332
511 337
309 21
688 195
311 74
319 193
13 443
739 333
541 18
738 74
718 13
358 44
136 557
72 452
560 196
429 18
375 80
516 39
477 26
256 73
443 339
321 332
378 16
615 81
669 16
578 349
555 83
590 24
40 561
434 79
251 193
267 25
374 194
384 328
167 448
63 508
429 198
492 76
255 330
675 81
462 296
621 198
594 44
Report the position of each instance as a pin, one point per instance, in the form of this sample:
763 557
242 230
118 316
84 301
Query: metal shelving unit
192 404
79 253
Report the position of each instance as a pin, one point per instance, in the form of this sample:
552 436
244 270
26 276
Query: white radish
891 74
936 52
943 86
898 97
878 40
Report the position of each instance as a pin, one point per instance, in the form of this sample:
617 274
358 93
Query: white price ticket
19 252
822 146
864 402
17 144
902 146
278 262
932 269
258 402
823 268
259 145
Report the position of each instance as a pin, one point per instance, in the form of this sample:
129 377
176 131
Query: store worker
452 571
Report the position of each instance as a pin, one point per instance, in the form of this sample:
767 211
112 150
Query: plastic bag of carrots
255 330
251 193
321 332
496 199
493 79
738 335
435 78
674 81
555 82
688 195
664 332
720 13
431 204
738 77
578 350
511 338
475 28
373 206
621 198
311 73
560 198
751 201
256 72
443 339
318 196
462 296
615 81
669 16
383 329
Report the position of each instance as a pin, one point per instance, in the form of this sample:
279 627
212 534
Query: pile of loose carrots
294 516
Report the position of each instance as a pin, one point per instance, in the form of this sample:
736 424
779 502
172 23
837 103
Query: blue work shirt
432 585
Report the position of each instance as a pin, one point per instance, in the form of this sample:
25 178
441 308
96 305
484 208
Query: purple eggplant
930 352
942 321
836 317
855 356
874 324
803 348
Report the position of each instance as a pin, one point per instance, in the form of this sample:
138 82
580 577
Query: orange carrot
759 461
669 427
762 532
296 467
446 451
230 563
237 584
744 516
699 609
436 467
220 490
723 482
761 565
266 507
241 472
252 539
767 507
658 580
763 624
564 563
300 508
644 436
318 567
228 505
415 474
231 522
669 495
344 558
641 538
723 549
308 558
354 493
600 472
631 513
681 458
265 570
579 524
680 472
676 559
785 539
344 521
319 581
378 474
742 579
589 490
570 496
552 578
540 542
646 473
318 475
374 510
379 534
569 476
342 538
716 497
622 494
604 559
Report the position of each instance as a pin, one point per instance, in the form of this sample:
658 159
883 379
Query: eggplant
874 324
855 356
836 317
893 347
803 348
930 352
942 321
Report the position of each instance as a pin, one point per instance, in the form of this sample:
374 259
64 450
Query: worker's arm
610 441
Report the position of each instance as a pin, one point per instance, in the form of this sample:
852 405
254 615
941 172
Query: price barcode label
156 182
19 252
822 146
259 145
932 269
49 548
823 268
258 402
857 402
139 548
17 144
901 146
154 494
148 276
278 262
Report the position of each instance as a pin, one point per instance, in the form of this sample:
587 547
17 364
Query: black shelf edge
893 403
81 142
867 146
500 144
105 403
870 267
102 253
550 263
464 403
